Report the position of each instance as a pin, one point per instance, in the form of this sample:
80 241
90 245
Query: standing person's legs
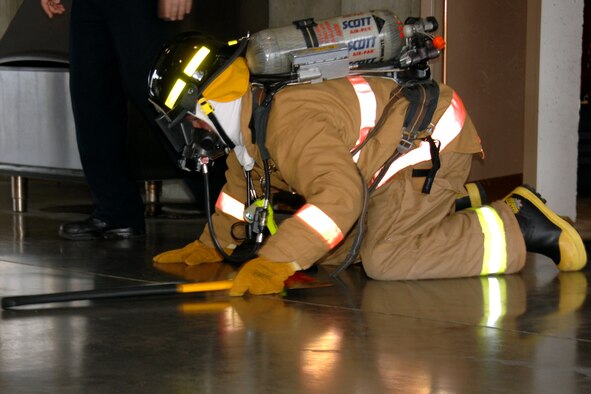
138 35
100 112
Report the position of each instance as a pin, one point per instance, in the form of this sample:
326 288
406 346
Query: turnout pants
412 235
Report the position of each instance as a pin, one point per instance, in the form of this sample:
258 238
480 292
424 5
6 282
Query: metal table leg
19 187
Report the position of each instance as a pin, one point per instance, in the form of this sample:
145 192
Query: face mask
228 115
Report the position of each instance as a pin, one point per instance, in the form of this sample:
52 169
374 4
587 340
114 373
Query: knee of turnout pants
412 235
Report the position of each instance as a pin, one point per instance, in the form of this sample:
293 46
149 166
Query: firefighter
313 135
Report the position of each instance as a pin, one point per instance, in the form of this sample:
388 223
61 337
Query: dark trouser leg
100 113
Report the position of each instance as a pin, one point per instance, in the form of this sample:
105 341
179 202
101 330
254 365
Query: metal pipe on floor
133 291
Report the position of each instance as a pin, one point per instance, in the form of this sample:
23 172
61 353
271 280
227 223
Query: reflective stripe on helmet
175 92
196 60
321 223
494 260
368 107
448 128
230 206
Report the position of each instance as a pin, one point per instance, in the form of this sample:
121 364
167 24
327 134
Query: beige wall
7 10
486 55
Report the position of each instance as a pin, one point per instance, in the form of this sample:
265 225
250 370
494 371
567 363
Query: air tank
373 36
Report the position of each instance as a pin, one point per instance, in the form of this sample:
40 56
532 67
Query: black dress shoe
89 229
93 228
124 233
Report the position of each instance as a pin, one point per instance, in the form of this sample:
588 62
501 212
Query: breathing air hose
257 244
216 242
354 251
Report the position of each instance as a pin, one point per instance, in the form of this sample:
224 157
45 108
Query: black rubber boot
545 232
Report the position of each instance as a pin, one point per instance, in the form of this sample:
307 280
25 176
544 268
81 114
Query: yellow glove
262 276
194 253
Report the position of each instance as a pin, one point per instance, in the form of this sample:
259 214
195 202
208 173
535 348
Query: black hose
354 251
220 249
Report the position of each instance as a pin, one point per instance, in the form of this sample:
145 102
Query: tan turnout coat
410 235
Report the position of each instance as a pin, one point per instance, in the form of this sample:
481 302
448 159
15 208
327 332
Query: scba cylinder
373 36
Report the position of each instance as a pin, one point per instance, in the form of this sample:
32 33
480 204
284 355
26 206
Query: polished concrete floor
525 333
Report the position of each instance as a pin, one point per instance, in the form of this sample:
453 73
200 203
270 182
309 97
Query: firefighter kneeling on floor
321 142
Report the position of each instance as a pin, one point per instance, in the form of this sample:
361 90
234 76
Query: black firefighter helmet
184 69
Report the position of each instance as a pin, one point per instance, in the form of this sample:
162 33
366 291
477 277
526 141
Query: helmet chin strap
221 131
207 109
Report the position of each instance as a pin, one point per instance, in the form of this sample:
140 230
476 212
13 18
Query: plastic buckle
406 142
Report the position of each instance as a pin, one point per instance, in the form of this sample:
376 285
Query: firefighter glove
262 276
194 253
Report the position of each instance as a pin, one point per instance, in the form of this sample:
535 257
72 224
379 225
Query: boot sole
573 256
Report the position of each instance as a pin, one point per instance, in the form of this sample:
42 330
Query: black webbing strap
422 99
307 28
258 122
429 174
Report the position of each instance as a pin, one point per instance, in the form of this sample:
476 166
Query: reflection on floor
525 333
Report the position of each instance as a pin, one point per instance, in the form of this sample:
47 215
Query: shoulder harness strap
422 99
261 106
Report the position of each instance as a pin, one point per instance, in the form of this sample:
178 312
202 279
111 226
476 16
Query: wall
486 66
283 12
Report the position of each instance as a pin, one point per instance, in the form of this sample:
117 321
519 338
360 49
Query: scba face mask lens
194 144
207 144
199 145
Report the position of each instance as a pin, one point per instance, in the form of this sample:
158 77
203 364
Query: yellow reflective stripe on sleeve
368 107
494 260
321 223
230 206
